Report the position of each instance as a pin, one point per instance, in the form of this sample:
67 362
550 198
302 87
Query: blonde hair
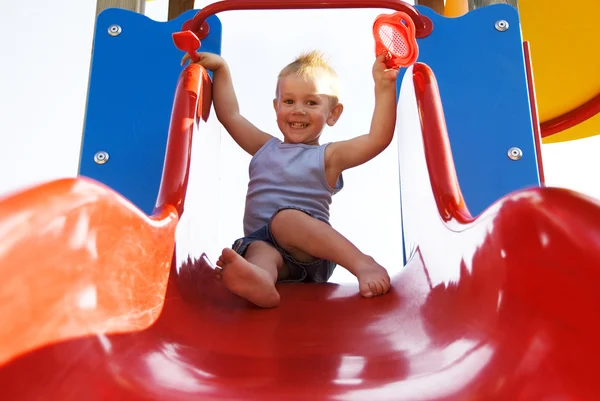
312 64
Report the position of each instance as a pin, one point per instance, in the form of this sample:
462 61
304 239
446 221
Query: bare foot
247 280
373 279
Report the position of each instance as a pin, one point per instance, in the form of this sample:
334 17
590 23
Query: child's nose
299 110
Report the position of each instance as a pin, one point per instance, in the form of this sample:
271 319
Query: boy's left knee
282 232
282 221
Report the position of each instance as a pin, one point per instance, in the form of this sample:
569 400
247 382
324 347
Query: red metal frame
198 24
534 111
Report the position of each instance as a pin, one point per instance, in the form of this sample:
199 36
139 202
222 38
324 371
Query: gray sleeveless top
283 175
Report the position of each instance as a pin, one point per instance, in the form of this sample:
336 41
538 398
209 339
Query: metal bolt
515 153
101 157
502 25
114 30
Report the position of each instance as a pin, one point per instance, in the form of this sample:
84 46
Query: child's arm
356 151
243 132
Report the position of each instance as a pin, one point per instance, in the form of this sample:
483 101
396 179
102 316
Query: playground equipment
568 98
497 300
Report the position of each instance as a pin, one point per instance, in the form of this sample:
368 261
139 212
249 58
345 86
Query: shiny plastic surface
76 258
423 24
501 307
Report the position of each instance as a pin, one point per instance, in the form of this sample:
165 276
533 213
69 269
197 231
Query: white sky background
46 50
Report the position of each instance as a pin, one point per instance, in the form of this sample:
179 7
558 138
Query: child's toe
228 255
366 290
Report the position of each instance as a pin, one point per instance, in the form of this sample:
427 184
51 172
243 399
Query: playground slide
501 307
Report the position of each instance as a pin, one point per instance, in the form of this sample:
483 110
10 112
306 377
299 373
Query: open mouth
298 125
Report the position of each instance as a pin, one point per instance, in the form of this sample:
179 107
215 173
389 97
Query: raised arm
243 132
356 151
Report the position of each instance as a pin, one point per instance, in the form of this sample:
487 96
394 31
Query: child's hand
210 61
382 75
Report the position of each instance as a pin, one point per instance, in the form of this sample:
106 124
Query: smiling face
304 104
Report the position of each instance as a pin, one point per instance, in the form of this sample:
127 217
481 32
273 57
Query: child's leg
304 237
253 276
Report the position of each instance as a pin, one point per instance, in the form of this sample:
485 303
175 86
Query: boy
287 235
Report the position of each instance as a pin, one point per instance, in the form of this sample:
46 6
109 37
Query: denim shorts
317 271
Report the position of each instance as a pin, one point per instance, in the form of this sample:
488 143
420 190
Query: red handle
194 57
188 42
198 24
403 27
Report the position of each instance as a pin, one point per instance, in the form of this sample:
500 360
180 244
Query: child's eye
311 103
288 101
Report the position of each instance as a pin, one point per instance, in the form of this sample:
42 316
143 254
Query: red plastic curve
67 259
572 118
423 24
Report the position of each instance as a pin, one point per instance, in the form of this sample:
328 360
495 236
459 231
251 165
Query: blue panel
483 84
132 85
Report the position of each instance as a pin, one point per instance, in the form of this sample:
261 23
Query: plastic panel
483 84
132 86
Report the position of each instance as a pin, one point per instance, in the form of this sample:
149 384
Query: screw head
101 157
114 30
515 153
502 25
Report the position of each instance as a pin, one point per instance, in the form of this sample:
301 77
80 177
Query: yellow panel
565 43
456 8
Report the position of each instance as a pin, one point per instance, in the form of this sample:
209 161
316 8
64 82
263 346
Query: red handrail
198 24
572 118
193 96
438 153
